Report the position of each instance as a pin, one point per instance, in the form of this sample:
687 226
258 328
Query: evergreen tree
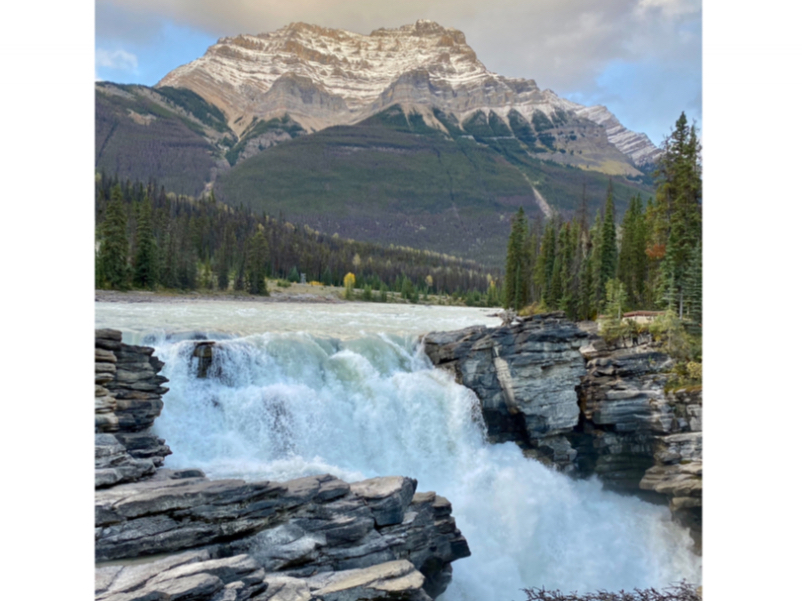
615 299
586 303
146 260
693 285
632 261
608 256
679 210
224 257
113 251
515 285
257 263
569 282
596 262
544 269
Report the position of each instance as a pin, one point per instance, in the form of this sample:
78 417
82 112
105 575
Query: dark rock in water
229 540
203 351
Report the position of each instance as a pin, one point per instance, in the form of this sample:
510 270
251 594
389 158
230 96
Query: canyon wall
175 534
571 400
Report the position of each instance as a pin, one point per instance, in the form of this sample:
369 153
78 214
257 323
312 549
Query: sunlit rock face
323 77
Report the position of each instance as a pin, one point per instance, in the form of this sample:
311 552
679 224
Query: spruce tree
596 262
257 261
544 269
679 213
632 260
113 252
608 257
693 285
515 271
146 259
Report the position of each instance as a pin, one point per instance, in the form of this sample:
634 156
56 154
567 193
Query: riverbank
296 293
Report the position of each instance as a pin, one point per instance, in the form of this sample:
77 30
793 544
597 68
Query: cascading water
280 406
357 402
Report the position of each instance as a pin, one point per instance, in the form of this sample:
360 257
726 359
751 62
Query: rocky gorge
176 534
571 400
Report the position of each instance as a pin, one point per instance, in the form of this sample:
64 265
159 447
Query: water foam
279 406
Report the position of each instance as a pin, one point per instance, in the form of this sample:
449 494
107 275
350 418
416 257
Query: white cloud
564 45
119 59
671 8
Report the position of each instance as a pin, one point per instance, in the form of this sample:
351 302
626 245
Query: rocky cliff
525 376
166 534
322 77
587 407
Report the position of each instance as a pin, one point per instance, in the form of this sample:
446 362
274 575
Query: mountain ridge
323 77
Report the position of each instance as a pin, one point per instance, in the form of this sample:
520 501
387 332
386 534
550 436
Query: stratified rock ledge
584 406
166 535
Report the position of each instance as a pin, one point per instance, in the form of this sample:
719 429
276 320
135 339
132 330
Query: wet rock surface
165 534
128 393
571 400
525 375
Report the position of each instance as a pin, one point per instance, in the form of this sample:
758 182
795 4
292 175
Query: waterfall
282 405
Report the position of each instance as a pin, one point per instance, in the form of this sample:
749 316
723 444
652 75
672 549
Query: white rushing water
354 396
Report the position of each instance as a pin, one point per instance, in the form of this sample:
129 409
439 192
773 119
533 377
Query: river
299 389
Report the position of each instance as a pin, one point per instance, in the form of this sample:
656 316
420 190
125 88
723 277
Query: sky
640 58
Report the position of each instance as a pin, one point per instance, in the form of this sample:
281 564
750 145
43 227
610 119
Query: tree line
148 238
653 260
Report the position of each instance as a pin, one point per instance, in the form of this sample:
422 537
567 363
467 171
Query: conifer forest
585 265
651 261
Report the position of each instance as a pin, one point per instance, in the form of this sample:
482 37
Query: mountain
401 136
322 77
396 178
167 134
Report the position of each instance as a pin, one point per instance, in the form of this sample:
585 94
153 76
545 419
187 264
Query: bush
614 329
283 283
533 309
683 591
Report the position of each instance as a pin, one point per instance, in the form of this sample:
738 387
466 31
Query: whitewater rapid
281 405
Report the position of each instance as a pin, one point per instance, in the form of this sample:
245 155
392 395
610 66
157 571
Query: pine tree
679 212
596 262
693 285
515 286
608 257
544 269
257 262
113 252
632 261
223 258
146 260
615 299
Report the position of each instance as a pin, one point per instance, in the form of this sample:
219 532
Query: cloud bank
569 46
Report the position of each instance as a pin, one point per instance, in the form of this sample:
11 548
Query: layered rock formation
128 393
525 376
230 540
587 407
322 77
636 146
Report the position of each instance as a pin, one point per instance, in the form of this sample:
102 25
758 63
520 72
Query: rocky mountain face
174 534
571 400
322 77
398 137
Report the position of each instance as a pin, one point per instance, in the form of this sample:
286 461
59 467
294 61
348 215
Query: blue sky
640 58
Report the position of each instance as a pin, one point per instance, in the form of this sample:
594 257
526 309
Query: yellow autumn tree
349 281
